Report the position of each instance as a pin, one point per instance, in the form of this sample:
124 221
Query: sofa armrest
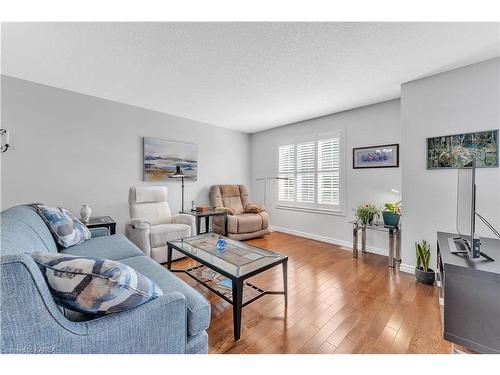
138 223
227 210
158 326
137 230
254 208
185 219
99 232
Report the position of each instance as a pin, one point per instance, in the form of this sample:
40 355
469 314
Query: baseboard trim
344 245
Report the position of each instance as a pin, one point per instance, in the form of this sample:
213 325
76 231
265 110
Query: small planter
391 219
369 222
425 277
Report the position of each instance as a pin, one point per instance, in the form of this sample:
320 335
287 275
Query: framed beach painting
161 157
455 151
383 156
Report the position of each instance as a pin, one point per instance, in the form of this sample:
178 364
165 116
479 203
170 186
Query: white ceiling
243 76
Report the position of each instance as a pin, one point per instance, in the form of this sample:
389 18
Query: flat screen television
466 211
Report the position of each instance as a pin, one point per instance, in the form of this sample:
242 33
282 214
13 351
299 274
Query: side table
394 240
206 215
102 222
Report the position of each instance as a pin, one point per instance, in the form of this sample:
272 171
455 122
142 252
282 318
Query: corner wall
458 101
71 149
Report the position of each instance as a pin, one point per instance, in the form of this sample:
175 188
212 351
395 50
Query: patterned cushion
64 226
94 286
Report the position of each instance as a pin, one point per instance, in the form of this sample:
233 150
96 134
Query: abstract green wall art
455 151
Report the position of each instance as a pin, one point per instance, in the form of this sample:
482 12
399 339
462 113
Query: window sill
322 211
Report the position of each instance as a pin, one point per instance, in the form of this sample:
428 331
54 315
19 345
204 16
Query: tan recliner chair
244 220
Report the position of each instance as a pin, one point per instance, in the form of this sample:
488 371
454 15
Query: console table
469 295
394 240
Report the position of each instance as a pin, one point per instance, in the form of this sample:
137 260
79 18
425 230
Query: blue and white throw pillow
66 229
94 286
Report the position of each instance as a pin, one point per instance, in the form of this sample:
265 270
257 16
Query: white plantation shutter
286 170
287 159
305 157
306 160
329 171
305 187
313 169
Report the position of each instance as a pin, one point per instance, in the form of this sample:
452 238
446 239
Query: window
311 175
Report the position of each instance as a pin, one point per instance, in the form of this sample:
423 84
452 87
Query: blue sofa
32 323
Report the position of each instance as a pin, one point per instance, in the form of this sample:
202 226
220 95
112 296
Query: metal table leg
198 225
169 257
363 240
397 259
391 247
355 241
237 306
285 281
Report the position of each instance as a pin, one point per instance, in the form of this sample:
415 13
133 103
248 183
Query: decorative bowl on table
221 244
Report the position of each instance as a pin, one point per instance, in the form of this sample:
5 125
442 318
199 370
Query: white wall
367 126
458 101
70 149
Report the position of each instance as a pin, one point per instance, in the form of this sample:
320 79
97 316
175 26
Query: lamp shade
178 173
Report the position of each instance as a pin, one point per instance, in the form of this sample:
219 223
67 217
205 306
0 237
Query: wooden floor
337 304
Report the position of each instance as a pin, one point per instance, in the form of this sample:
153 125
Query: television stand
468 295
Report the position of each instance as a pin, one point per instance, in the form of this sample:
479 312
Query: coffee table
224 271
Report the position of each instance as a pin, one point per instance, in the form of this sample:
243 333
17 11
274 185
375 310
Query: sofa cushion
115 247
64 226
93 285
24 231
198 308
160 234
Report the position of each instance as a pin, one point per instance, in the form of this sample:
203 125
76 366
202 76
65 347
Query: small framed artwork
383 156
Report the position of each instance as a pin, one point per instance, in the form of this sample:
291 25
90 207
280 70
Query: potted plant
392 214
367 213
423 273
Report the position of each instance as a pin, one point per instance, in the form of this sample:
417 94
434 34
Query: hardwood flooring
336 304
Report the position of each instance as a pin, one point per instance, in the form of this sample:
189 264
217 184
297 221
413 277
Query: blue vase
390 219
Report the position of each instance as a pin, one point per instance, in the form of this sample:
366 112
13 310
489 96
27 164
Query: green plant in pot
367 213
423 273
392 214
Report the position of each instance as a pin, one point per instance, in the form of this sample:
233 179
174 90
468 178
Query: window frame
315 206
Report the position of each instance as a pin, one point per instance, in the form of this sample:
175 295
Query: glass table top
237 258
205 213
378 226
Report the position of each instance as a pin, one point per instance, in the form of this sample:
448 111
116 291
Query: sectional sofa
31 322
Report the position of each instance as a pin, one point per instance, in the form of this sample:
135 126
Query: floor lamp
265 179
180 174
